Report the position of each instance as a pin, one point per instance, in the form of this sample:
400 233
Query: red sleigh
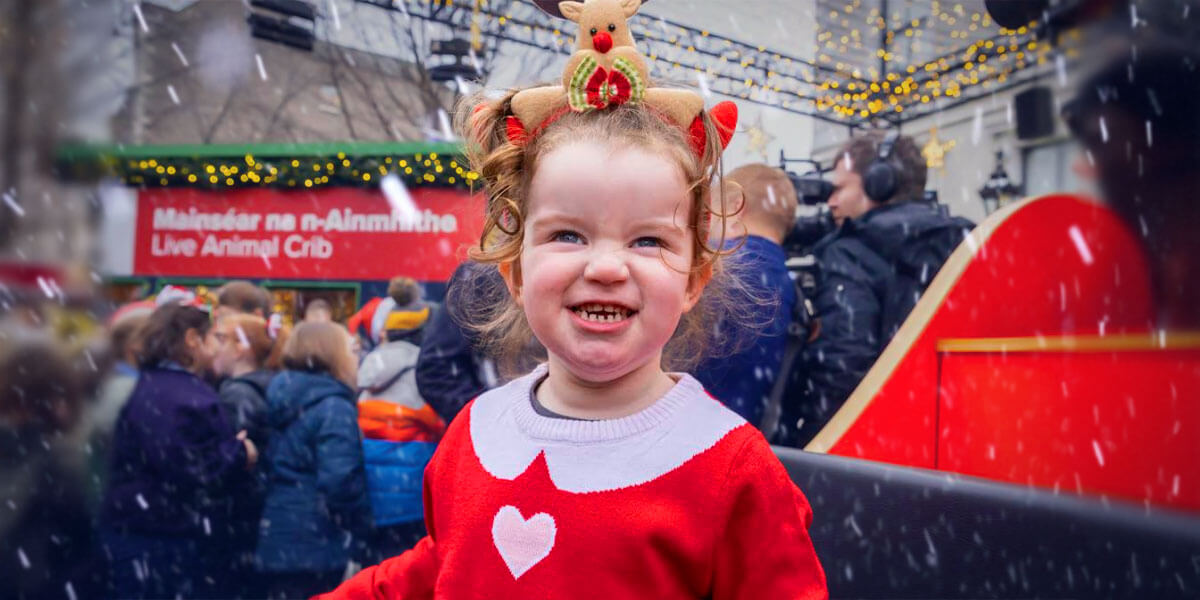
1031 359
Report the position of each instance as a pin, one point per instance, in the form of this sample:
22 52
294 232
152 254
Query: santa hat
174 294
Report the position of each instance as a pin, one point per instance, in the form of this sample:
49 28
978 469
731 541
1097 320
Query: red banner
332 233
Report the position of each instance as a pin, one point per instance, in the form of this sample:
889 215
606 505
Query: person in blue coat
176 463
749 352
317 515
400 428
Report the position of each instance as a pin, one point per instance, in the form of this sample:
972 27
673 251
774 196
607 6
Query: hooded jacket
397 453
872 271
317 514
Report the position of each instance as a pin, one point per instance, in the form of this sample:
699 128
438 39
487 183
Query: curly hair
506 170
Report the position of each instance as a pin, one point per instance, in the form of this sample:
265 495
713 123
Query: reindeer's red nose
602 42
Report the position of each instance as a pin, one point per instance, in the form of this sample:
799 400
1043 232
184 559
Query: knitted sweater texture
681 500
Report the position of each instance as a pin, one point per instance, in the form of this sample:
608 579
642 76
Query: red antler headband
606 70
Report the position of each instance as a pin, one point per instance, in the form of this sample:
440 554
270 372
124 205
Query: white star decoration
759 138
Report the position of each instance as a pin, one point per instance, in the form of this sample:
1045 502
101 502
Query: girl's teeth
601 314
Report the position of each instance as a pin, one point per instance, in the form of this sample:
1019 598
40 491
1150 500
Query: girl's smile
602 318
605 269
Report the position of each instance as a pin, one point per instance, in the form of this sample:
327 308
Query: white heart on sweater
522 543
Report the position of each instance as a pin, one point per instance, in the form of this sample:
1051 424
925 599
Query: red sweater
681 500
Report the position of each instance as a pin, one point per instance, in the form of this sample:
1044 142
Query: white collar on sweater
596 456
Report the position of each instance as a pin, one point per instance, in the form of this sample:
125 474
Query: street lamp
998 190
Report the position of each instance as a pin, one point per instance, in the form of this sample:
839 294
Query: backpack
400 432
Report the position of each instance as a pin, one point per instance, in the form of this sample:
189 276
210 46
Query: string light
240 170
994 56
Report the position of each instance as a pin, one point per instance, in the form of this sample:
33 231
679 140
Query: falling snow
1081 246
262 69
913 532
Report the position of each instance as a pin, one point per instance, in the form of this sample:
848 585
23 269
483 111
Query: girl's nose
606 267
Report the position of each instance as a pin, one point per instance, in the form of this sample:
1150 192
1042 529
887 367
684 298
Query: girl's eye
647 242
611 27
569 237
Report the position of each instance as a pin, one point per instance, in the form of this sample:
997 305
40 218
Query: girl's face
227 347
199 349
606 258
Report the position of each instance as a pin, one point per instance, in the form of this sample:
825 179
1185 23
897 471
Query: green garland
303 170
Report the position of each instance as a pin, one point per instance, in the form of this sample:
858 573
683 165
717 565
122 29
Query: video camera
811 188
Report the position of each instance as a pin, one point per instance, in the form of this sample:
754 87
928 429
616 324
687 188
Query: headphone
881 178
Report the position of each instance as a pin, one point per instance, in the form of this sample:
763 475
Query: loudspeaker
1034 110
1015 13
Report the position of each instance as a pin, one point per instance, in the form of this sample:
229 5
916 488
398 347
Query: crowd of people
218 452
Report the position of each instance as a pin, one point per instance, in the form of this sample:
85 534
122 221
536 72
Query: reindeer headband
606 70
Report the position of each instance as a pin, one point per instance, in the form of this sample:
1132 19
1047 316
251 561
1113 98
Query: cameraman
886 246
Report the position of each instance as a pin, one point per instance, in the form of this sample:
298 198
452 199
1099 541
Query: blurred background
180 144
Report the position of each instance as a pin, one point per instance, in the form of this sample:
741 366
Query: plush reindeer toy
606 70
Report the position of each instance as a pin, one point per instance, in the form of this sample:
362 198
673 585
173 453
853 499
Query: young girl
316 516
601 474
246 355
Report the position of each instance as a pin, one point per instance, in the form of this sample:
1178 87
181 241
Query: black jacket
244 400
450 373
872 271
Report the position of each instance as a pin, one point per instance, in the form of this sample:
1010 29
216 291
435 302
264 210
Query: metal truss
718 64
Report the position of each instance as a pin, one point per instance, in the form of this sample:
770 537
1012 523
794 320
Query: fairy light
253 170
915 73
